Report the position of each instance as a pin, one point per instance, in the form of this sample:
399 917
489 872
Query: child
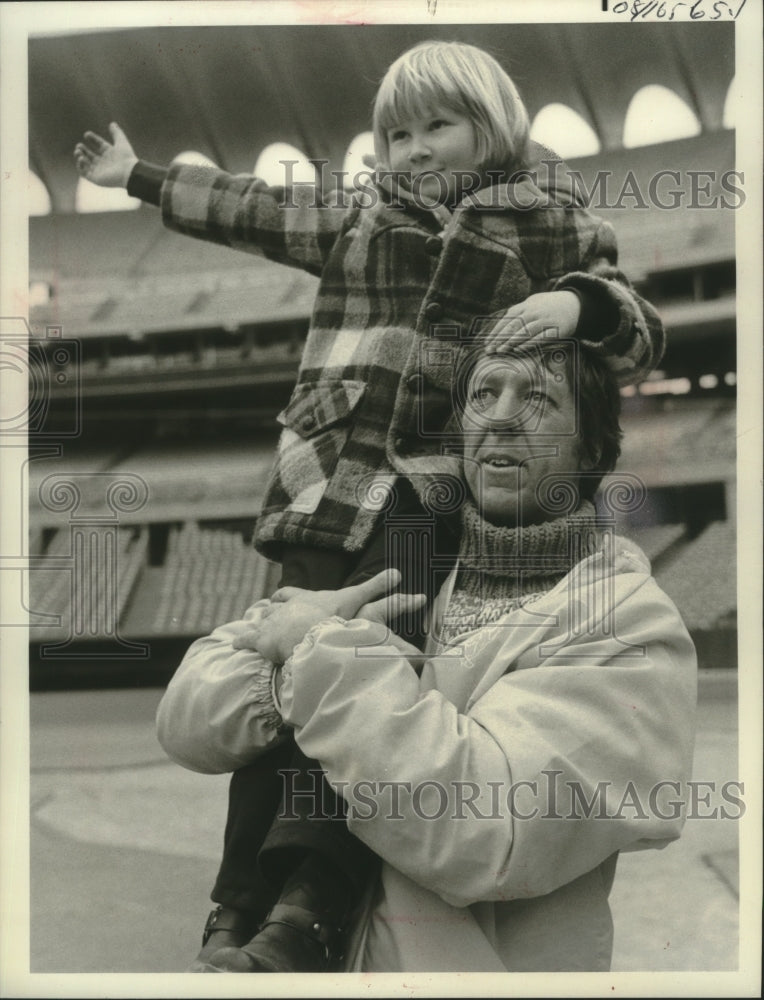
464 223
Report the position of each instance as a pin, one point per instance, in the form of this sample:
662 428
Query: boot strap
223 918
308 923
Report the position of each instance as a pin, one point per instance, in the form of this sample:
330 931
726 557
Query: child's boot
304 930
225 927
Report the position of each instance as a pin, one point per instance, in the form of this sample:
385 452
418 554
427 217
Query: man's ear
586 461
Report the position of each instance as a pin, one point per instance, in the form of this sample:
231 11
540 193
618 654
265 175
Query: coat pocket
318 406
316 424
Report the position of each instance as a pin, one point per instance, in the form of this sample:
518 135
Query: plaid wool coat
402 290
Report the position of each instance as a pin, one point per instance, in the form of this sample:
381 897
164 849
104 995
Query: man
550 726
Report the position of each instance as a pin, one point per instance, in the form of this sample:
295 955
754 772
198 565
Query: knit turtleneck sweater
501 569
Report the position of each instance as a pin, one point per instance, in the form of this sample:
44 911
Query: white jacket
524 758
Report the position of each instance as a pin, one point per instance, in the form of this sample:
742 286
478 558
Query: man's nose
510 410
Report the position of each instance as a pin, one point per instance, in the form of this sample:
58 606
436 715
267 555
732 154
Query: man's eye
536 397
481 397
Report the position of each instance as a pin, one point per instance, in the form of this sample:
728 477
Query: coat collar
546 182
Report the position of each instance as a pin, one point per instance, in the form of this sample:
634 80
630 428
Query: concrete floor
124 847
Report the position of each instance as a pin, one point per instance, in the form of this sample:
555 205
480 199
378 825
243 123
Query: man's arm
494 802
220 710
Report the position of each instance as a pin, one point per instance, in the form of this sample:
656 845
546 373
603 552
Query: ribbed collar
537 550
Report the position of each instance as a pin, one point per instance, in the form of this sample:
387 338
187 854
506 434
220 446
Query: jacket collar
547 181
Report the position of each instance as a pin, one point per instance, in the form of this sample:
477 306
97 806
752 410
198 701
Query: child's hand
108 164
294 611
555 314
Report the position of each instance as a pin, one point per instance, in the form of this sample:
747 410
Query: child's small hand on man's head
108 164
551 314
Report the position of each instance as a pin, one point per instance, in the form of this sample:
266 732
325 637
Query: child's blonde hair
464 79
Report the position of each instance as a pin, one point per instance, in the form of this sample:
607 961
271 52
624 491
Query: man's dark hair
599 403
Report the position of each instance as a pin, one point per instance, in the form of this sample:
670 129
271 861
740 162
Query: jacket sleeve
633 337
548 773
218 712
290 225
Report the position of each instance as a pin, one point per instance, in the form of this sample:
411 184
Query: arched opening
40 294
38 198
565 131
281 164
657 114
194 159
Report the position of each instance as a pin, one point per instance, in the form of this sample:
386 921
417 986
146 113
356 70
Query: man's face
520 426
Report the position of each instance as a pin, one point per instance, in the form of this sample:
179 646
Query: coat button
308 422
433 245
415 383
433 310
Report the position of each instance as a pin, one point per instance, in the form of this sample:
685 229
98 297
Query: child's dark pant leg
254 795
255 791
296 828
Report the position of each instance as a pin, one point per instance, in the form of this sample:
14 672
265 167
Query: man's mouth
497 461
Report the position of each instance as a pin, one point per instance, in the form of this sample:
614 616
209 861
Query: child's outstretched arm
108 164
292 225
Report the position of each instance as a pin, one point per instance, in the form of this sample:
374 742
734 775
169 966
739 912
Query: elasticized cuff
264 692
309 640
145 182
600 316
276 689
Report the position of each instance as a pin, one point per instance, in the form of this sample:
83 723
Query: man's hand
387 609
555 314
294 611
108 164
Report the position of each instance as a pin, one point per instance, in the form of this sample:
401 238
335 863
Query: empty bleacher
702 579
675 441
85 581
100 583
142 278
183 480
210 576
174 576
656 540
696 231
